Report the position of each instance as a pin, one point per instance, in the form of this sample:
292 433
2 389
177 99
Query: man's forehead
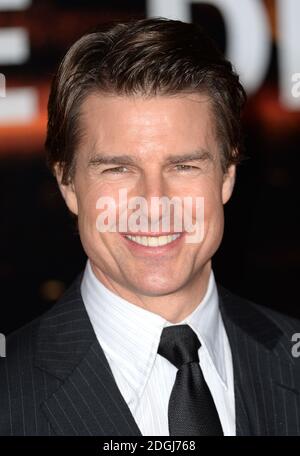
99 99
104 135
183 117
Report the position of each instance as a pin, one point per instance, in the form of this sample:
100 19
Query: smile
153 241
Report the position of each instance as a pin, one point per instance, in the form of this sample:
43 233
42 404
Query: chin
157 287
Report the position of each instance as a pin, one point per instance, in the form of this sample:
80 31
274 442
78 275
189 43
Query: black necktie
191 410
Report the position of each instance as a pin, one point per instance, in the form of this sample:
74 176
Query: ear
228 183
67 190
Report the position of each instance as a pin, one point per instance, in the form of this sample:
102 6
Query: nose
152 188
153 185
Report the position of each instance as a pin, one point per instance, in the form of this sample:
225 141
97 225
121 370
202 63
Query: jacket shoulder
274 330
246 306
23 385
20 344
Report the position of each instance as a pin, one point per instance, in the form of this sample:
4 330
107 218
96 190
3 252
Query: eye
116 170
186 168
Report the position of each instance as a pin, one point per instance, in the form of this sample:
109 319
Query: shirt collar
129 335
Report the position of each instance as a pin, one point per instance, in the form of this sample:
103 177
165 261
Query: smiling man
144 341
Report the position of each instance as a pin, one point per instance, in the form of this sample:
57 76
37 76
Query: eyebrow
198 155
99 159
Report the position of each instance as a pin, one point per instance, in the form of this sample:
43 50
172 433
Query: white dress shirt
129 336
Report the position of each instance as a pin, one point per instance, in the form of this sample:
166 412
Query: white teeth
153 241
163 240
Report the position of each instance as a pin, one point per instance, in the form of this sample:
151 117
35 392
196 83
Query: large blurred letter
19 105
289 50
247 27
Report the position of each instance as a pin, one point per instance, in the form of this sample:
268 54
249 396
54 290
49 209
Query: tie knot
179 345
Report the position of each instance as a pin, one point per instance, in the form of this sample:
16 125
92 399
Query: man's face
158 146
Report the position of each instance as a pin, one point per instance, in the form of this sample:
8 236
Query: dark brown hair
149 57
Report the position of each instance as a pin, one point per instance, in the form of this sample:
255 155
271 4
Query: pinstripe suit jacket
55 379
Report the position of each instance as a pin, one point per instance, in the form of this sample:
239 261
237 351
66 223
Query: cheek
87 211
213 213
87 224
209 188
212 206
214 222
88 196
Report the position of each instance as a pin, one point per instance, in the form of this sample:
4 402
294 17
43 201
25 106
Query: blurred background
40 249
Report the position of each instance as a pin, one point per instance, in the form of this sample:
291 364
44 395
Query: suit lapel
88 401
266 378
